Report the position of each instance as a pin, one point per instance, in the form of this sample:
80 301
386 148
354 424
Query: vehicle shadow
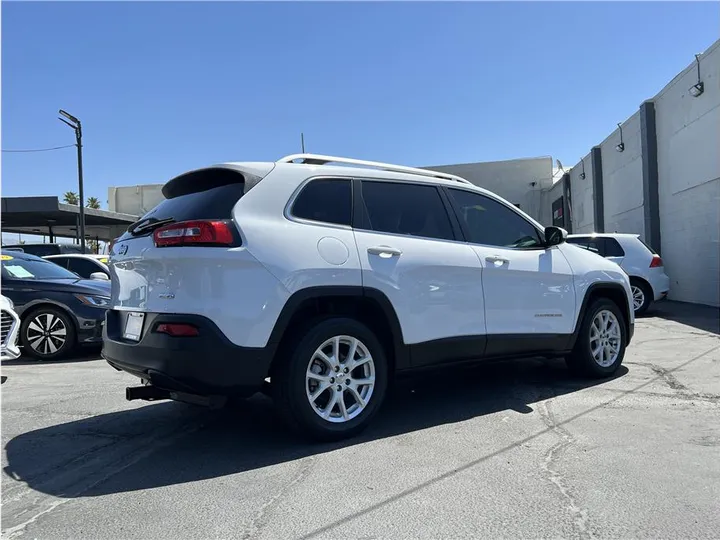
705 318
82 355
251 436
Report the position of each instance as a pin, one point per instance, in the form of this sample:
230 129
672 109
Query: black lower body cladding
206 364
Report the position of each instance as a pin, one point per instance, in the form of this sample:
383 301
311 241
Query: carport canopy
48 216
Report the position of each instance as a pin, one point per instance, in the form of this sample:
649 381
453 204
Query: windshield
13 267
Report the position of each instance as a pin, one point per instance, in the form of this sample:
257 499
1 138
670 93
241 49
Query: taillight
188 233
177 329
656 262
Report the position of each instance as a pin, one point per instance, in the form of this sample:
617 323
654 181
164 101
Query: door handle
384 251
497 259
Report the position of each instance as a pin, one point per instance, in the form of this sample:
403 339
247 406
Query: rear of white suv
184 271
331 279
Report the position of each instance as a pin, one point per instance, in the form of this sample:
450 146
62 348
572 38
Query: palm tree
93 202
70 197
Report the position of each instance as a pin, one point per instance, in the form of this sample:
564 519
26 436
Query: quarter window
409 209
325 200
491 223
613 248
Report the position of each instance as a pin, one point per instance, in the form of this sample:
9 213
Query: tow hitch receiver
153 393
149 393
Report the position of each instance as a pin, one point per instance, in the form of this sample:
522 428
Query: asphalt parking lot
515 450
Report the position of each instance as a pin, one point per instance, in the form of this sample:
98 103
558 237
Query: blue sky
165 87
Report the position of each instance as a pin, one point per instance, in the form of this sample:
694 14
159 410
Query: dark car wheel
47 333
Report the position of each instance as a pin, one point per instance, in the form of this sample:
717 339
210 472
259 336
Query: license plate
133 326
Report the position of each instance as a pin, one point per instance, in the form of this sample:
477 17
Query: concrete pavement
514 450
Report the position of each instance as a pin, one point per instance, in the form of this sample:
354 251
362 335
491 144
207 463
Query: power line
41 149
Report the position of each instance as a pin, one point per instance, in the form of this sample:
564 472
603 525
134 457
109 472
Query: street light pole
75 124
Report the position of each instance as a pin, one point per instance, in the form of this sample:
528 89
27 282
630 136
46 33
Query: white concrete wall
688 132
548 197
134 200
582 211
510 179
623 181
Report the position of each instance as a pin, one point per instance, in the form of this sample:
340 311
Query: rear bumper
207 364
660 283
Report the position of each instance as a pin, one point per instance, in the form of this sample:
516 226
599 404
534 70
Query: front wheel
47 333
333 381
600 346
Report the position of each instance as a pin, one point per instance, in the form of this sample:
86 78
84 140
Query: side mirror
100 275
555 236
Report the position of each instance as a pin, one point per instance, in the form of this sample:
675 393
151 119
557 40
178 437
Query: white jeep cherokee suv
329 279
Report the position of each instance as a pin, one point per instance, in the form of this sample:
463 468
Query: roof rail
317 159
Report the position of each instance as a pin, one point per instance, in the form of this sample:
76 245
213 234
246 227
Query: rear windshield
214 203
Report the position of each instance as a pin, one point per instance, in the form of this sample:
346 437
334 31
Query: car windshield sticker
18 271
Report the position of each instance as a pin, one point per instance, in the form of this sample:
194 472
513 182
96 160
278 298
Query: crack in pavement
451 473
260 520
553 475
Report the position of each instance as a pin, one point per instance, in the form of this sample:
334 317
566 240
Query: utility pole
75 124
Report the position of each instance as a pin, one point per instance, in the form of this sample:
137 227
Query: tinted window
213 203
41 250
405 209
325 200
61 261
14 267
597 245
83 267
588 242
613 248
491 223
580 241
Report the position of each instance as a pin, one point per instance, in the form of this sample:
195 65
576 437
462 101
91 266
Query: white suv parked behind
648 280
330 279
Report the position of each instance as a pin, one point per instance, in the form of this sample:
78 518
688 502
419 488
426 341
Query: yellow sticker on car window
6 258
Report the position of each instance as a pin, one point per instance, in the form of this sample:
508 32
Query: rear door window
327 200
62 261
83 267
408 209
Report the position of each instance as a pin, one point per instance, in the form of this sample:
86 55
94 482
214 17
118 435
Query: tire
582 360
303 400
44 344
641 291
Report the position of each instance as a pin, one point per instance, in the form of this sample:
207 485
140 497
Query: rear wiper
149 224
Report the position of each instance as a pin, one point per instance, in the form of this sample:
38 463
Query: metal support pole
78 136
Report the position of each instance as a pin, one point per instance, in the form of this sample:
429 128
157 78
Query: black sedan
58 310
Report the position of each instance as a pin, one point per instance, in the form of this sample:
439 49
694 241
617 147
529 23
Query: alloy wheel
340 379
638 297
46 334
605 338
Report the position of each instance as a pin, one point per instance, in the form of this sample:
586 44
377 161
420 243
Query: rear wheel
600 347
333 380
47 333
642 296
